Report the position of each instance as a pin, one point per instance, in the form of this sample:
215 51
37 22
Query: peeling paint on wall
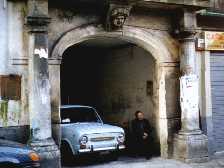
124 88
3 112
42 52
10 113
189 102
13 112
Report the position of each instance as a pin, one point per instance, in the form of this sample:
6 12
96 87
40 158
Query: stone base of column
48 151
191 147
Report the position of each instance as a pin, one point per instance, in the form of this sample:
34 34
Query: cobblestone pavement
152 163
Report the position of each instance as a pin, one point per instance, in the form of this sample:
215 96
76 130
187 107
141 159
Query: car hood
13 147
91 128
12 144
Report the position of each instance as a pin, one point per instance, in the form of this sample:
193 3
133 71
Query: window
74 115
10 87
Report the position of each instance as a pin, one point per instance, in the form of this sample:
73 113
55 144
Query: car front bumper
31 165
92 149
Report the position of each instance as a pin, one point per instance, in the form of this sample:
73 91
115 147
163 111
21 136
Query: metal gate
217 91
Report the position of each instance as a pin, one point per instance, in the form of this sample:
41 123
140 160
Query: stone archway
134 35
140 37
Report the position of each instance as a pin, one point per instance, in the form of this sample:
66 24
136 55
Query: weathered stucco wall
63 21
3 37
14 58
126 72
158 23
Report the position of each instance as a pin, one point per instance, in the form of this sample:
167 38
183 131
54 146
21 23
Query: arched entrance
136 36
116 77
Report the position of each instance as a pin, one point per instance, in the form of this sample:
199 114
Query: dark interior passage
81 76
117 78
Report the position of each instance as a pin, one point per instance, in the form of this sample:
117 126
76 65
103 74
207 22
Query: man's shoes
148 157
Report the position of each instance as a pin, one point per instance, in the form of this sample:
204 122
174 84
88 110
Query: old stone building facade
163 57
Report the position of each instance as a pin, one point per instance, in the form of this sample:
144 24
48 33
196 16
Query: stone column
39 86
189 86
190 145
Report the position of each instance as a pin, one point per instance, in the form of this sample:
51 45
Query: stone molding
20 61
131 34
25 61
37 23
170 64
185 24
36 20
54 61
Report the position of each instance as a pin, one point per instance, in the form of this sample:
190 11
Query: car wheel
66 154
9 165
113 156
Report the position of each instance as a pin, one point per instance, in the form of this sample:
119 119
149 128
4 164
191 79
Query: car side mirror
99 121
66 120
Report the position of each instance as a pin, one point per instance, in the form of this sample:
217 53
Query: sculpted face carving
118 21
117 17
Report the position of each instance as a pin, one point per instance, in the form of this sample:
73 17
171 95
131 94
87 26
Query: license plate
104 153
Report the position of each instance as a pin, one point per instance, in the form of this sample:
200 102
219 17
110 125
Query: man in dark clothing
142 134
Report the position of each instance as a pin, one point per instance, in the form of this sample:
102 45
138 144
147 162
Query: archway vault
141 38
134 35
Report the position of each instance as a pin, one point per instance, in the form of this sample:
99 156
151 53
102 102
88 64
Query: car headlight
83 140
121 138
34 156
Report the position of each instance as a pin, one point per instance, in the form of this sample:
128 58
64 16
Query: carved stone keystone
117 15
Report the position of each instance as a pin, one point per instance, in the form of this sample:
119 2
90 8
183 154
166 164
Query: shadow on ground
88 160
105 159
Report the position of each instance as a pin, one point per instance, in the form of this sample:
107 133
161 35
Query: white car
83 131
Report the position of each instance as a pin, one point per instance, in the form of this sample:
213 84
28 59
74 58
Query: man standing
142 134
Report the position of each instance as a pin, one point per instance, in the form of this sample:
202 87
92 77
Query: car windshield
74 115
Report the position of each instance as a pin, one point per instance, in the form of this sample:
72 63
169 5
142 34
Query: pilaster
190 144
39 86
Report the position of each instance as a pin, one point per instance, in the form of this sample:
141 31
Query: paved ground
152 163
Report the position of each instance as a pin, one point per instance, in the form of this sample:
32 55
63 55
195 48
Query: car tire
9 165
66 154
113 156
